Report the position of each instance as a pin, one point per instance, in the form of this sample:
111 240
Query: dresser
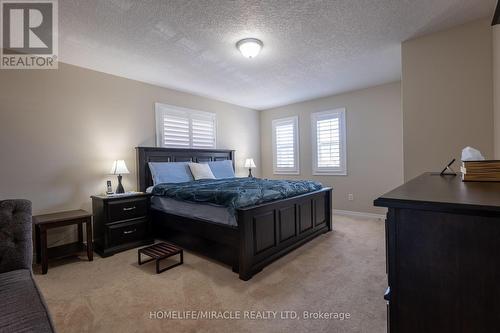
443 255
121 223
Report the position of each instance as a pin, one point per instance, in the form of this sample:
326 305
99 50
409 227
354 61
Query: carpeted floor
339 272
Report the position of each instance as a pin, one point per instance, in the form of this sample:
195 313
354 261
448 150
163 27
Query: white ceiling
311 48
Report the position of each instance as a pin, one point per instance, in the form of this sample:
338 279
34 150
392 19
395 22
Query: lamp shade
249 163
119 168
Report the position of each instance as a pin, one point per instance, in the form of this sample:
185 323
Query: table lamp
249 163
119 168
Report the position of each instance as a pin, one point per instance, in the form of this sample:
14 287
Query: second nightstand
121 222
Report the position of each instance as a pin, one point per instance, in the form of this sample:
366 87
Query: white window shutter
184 128
203 130
328 140
175 131
329 146
285 146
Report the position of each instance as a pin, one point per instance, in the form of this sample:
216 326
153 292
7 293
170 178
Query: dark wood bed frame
264 232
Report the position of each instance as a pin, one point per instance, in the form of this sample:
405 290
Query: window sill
329 173
286 172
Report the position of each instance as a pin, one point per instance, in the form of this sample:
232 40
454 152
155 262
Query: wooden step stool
160 251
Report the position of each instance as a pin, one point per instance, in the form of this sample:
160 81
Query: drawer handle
127 209
129 232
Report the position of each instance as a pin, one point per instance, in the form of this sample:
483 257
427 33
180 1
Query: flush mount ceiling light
250 47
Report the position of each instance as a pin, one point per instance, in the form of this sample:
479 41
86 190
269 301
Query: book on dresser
481 171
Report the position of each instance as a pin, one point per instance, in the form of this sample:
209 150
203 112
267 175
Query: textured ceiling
311 48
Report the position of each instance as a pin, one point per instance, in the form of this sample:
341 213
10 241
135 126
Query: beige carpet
339 272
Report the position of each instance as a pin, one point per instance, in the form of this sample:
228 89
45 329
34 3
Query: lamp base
119 188
250 173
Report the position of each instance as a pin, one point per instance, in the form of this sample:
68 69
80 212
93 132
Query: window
329 146
286 146
184 128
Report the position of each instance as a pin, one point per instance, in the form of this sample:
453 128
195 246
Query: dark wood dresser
121 223
443 255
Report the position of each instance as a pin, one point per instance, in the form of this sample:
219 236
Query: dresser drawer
127 232
127 209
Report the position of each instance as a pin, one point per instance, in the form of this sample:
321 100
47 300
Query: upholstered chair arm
16 247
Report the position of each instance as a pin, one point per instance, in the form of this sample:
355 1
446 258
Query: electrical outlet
350 197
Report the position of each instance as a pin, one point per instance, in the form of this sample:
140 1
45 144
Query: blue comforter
235 193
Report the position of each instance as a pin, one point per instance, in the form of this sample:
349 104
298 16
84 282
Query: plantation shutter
184 128
328 136
329 142
175 131
285 145
203 130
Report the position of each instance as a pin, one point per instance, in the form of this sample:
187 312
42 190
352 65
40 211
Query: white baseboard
358 214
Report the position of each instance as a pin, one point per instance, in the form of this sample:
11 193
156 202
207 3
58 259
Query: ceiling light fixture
250 47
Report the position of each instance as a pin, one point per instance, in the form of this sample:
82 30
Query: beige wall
61 130
374 144
496 87
447 96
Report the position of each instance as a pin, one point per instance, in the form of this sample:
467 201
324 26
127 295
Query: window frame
178 111
294 120
339 113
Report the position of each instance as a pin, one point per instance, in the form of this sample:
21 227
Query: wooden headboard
155 154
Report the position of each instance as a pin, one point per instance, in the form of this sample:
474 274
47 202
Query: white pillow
201 171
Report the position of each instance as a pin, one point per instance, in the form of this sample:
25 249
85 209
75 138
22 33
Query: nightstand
121 222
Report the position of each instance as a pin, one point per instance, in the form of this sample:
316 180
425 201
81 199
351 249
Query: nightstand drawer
127 209
127 232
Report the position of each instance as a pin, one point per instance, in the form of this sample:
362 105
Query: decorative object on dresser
442 255
263 233
158 252
448 170
121 222
45 222
249 163
119 168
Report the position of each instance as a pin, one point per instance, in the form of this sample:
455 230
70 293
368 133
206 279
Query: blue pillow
222 169
170 172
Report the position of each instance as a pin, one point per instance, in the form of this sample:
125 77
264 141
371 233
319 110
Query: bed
259 235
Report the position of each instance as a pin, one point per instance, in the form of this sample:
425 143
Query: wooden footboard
264 232
269 231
